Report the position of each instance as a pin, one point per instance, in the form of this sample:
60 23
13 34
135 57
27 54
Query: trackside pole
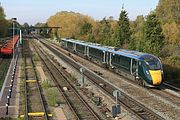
20 34
82 76
116 109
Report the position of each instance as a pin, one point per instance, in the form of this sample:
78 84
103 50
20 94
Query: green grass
52 96
46 84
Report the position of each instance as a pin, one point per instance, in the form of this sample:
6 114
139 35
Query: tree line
6 25
3 23
157 33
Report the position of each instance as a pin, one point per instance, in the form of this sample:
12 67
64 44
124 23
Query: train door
134 67
107 57
87 50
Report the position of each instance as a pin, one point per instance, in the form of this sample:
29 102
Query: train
8 47
145 69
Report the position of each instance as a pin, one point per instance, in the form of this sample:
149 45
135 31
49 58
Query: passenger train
145 69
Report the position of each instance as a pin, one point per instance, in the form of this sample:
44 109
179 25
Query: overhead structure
44 31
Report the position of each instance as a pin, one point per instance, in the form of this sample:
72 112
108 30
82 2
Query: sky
33 11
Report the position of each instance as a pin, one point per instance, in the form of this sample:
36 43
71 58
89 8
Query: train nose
156 76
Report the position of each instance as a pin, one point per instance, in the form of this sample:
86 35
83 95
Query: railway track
130 104
166 91
170 86
35 106
79 107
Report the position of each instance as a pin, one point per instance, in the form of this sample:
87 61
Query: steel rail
69 84
142 112
37 85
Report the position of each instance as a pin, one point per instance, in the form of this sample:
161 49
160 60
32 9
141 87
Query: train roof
75 41
134 54
92 45
98 47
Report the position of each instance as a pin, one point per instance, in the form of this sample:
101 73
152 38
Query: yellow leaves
172 32
69 21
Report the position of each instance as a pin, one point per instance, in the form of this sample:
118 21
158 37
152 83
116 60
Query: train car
97 53
144 68
92 51
7 48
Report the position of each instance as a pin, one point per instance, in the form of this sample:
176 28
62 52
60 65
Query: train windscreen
152 62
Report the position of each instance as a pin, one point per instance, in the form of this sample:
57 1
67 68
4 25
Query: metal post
116 109
13 20
13 44
20 33
10 91
6 108
12 81
8 98
117 100
82 76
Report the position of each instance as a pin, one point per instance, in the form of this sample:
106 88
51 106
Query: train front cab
150 70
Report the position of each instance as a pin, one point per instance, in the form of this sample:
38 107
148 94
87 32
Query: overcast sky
33 11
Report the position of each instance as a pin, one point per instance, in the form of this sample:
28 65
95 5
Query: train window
121 61
152 62
98 54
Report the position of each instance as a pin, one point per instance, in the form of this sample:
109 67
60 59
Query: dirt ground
59 114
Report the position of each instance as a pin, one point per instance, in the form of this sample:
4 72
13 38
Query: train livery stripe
156 76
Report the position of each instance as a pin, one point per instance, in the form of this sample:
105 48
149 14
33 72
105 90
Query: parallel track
77 104
170 86
172 97
130 104
34 100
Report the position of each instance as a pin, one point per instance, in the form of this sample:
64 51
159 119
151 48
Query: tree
2 15
86 28
168 11
70 22
104 32
136 42
123 31
25 25
153 36
3 23
86 31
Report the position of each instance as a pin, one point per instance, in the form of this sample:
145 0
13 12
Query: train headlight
147 72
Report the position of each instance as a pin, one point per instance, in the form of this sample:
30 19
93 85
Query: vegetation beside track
4 66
